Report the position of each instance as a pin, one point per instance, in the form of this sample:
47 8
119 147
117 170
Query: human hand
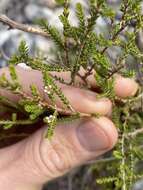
33 161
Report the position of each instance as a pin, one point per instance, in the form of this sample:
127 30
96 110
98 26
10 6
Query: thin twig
123 162
132 165
87 74
26 28
102 160
22 135
46 104
114 37
122 27
6 101
140 96
116 70
18 122
135 133
3 54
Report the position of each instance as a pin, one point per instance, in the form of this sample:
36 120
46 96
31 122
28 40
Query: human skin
35 160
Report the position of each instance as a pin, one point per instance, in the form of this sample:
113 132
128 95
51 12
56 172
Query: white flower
50 86
50 118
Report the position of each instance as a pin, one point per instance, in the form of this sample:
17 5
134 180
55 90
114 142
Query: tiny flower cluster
50 118
46 89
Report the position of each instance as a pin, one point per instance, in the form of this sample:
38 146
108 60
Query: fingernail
24 66
92 137
129 85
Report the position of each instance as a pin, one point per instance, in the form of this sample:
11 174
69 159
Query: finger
72 145
124 87
81 100
66 76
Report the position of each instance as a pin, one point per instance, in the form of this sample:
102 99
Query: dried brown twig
26 28
135 133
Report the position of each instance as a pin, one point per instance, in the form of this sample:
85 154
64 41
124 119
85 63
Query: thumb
38 160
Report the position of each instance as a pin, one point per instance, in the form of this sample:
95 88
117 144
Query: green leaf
81 18
117 155
34 110
106 180
53 32
14 116
54 89
38 64
7 126
13 73
22 54
35 91
51 121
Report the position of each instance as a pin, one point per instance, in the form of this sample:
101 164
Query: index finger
124 87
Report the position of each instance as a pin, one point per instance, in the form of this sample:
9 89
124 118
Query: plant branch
140 96
6 101
123 162
114 37
13 135
26 28
122 27
135 133
47 105
18 122
116 70
103 160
